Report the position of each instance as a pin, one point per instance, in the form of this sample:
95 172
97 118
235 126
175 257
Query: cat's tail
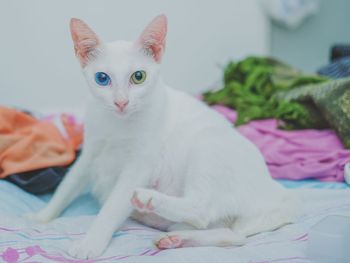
295 204
276 215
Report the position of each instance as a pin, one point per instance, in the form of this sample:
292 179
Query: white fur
192 171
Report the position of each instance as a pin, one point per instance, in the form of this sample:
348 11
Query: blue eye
102 79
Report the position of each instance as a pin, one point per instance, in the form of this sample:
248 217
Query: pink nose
121 104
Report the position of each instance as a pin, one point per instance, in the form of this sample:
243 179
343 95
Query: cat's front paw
39 217
144 200
87 249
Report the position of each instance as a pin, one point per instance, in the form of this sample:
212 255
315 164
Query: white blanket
23 241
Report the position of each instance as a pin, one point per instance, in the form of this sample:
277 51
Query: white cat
161 156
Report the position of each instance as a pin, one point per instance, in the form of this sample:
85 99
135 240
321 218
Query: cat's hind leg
176 209
218 237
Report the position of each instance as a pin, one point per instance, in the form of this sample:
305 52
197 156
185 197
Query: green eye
138 77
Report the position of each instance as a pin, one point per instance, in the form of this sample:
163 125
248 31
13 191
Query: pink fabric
295 155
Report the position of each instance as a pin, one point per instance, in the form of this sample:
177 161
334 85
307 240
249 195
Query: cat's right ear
85 40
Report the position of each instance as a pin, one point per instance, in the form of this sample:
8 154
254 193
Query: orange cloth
28 144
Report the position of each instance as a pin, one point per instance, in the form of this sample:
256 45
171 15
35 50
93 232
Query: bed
24 241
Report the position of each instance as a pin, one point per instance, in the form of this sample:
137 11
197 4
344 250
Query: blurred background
39 70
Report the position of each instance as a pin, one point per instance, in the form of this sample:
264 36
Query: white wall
308 47
38 69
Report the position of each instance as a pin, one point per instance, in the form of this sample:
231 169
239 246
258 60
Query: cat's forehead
120 48
122 52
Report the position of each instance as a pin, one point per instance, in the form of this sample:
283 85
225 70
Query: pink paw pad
169 242
140 205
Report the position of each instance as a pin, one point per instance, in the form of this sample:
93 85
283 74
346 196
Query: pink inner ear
153 38
85 40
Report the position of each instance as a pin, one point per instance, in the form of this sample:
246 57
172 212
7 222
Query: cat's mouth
122 113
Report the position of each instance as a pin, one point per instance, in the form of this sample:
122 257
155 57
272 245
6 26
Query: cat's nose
121 104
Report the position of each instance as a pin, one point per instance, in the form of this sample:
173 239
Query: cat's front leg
114 212
71 187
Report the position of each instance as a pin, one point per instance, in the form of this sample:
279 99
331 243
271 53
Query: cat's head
121 75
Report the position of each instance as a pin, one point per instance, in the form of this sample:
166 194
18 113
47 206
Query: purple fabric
295 155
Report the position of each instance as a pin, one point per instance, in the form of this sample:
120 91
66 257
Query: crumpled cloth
295 155
27 143
337 69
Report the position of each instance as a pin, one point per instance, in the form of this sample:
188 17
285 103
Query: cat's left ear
153 38
85 40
